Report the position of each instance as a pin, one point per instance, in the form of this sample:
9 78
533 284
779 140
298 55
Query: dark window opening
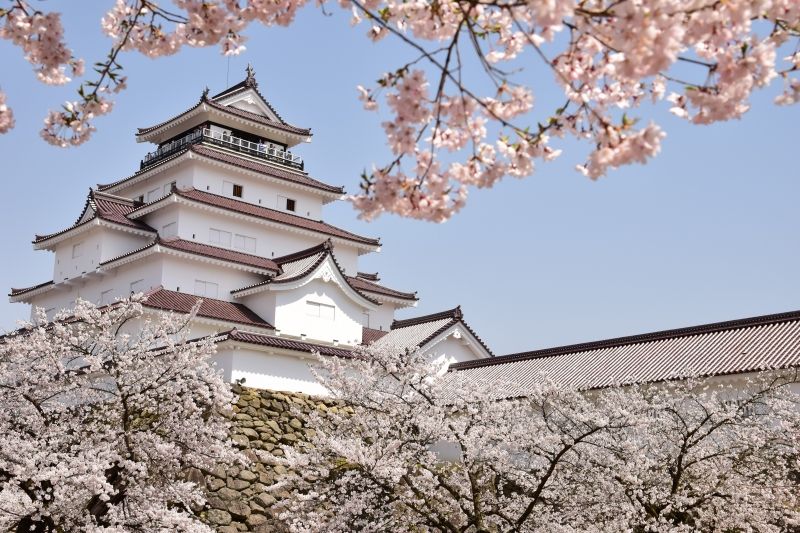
237 191
290 204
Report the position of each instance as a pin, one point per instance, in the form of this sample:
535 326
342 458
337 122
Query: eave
157 247
177 199
49 242
332 272
208 111
189 155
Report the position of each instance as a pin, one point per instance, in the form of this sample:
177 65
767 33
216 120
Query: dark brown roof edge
295 220
456 316
454 313
284 343
17 292
714 327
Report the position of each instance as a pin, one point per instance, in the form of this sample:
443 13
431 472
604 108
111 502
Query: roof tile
209 308
747 345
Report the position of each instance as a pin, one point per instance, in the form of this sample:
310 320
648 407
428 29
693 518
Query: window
243 242
289 204
77 250
169 230
219 237
237 190
328 312
106 297
137 286
154 194
168 187
227 188
365 319
205 288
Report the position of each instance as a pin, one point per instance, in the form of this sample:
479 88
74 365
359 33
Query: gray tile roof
419 331
738 346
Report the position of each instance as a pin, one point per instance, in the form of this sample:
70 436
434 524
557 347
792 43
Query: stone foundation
263 420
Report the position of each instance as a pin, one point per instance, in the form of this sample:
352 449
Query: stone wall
264 421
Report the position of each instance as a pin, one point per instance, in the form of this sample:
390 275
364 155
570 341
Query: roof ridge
349 235
170 240
302 254
689 331
371 286
454 313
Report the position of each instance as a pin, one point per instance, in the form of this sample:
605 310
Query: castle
223 211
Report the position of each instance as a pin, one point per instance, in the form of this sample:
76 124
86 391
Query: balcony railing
263 151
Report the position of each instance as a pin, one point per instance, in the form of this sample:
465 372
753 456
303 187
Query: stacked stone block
264 420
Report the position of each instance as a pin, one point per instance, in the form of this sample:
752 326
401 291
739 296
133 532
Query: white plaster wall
161 217
181 175
291 313
453 349
381 318
271 241
274 371
262 304
90 288
180 274
256 190
66 267
115 243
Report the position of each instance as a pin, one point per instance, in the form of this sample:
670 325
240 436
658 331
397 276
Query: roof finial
250 81
204 96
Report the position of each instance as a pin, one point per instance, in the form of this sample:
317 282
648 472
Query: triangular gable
301 268
426 332
245 96
250 100
328 271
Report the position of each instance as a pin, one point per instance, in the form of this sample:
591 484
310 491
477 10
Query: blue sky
708 231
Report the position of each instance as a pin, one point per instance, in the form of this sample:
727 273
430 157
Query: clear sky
708 231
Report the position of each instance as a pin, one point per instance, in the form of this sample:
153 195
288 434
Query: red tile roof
273 215
264 168
17 292
238 161
214 252
300 264
209 308
284 343
233 111
361 284
105 207
370 335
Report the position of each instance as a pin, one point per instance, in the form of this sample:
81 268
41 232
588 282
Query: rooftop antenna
228 73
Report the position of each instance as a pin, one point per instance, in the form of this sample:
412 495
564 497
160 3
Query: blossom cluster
103 412
446 135
418 448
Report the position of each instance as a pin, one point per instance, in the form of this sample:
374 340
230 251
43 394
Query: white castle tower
223 211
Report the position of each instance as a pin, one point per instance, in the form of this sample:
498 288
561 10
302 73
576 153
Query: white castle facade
222 211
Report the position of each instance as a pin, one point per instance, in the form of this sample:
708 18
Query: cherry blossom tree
424 450
103 415
446 131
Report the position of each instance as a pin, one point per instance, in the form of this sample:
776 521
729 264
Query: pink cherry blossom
459 94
